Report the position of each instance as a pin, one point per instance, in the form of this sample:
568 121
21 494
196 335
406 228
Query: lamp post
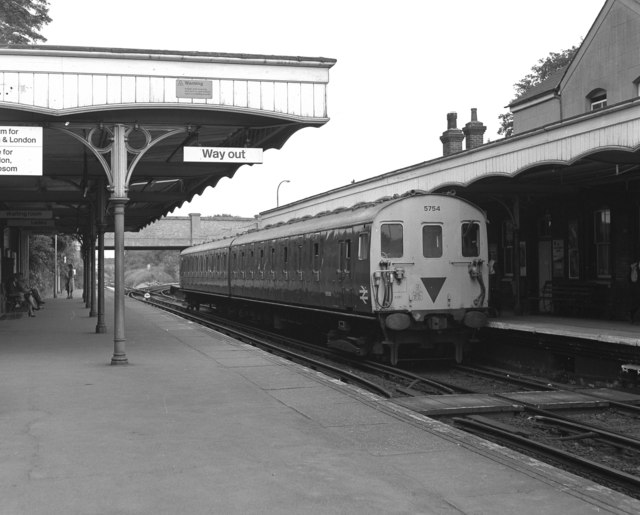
278 192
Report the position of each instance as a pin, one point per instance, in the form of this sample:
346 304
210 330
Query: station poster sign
20 150
222 155
26 214
36 224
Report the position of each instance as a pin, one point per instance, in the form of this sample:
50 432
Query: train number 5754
432 208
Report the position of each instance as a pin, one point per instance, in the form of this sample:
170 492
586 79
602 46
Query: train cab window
363 246
470 239
432 241
391 240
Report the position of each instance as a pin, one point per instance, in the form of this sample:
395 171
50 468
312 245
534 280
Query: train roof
360 213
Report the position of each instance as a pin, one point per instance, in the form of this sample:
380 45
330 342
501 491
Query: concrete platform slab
557 400
198 423
613 395
438 405
615 332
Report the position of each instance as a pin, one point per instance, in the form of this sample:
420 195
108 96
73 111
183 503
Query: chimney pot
452 120
452 137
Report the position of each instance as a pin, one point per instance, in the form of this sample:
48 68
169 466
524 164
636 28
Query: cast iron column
92 271
118 200
101 327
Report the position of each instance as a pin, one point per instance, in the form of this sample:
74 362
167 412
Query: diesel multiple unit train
405 272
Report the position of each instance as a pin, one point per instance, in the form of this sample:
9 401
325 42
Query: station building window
602 241
597 99
391 240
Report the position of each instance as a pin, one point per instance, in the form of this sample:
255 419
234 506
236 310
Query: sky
401 67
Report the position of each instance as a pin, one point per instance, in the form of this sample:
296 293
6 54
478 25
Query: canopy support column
118 200
101 327
119 173
92 269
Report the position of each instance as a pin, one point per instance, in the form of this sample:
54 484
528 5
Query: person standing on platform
69 283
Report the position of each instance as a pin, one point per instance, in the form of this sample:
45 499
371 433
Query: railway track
567 439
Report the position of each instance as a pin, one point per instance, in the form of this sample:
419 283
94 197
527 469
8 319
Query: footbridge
179 232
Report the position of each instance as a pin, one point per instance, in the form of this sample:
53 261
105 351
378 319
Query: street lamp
278 192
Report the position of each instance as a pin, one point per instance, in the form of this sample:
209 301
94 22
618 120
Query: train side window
363 246
261 263
285 257
391 240
432 241
470 239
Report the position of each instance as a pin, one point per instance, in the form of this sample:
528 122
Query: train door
344 271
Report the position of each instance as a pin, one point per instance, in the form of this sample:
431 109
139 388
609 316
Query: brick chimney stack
474 131
452 137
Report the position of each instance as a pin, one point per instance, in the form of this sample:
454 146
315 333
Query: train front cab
429 274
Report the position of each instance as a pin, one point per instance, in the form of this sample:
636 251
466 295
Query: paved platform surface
616 332
200 424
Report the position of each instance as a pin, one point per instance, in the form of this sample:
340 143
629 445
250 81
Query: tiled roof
546 86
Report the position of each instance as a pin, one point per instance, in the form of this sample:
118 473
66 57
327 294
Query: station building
561 193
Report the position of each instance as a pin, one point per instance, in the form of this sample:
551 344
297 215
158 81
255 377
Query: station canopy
163 101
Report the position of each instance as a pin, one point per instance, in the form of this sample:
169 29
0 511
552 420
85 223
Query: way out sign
222 155
20 150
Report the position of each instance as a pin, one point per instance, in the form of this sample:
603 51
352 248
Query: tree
42 259
539 73
21 21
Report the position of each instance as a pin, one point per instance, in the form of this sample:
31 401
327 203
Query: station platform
199 423
607 331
